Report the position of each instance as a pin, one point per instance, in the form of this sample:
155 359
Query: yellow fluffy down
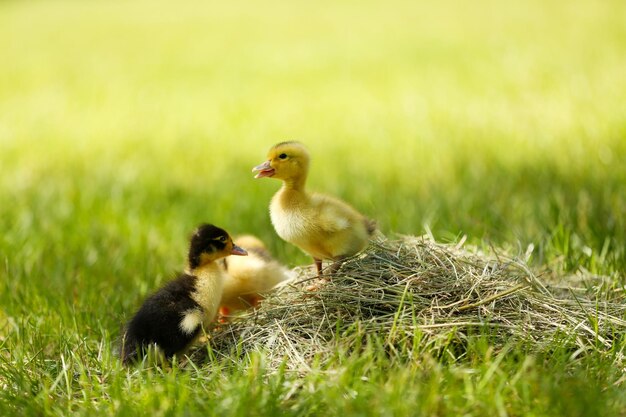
248 277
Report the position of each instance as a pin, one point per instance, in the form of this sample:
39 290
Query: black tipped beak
238 250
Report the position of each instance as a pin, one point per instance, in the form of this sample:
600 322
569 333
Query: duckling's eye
222 238
283 156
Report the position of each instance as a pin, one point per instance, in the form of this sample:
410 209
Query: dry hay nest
415 288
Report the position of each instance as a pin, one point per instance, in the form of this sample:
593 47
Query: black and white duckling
248 278
172 318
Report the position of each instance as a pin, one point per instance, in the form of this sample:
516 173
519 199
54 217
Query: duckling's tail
370 226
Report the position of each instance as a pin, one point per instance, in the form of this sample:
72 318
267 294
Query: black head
209 243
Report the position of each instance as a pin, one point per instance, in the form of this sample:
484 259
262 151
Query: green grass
124 124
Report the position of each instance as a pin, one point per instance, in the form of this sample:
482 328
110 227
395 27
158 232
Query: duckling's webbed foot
223 315
319 282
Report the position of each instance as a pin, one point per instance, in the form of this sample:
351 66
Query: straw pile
414 289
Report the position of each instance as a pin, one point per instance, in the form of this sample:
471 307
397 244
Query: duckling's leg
335 266
321 279
254 301
318 265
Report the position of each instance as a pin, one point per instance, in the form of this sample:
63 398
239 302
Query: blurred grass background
124 124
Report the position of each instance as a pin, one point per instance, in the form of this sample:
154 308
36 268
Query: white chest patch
191 320
290 225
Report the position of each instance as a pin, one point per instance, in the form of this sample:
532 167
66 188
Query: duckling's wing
334 215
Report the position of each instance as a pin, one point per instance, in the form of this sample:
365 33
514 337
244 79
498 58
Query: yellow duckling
247 281
320 225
